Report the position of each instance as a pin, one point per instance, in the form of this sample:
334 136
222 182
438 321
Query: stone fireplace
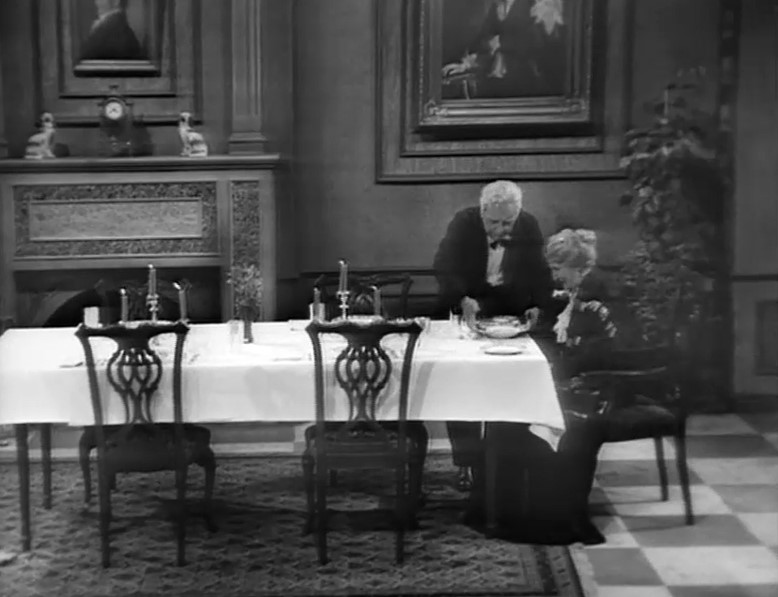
73 230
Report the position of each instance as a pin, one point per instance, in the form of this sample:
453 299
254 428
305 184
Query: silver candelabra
343 296
152 302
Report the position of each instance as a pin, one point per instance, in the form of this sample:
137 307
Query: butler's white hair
500 191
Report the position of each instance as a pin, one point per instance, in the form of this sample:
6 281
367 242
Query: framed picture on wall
492 63
144 48
474 89
115 37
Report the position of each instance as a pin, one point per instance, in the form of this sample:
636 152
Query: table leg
23 465
491 483
46 463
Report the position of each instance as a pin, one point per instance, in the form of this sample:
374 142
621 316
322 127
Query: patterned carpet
259 548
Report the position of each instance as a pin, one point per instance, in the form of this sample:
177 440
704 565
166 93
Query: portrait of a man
495 49
113 30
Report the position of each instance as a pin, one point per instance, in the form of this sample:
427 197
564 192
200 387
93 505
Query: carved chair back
363 370
134 371
361 288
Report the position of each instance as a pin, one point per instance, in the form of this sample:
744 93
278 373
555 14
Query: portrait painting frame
161 85
529 138
142 23
575 102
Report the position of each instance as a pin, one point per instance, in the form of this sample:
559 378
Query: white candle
343 282
376 300
124 306
181 301
152 280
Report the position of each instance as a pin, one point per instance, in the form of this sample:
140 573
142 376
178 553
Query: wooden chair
134 371
640 396
137 310
361 299
363 370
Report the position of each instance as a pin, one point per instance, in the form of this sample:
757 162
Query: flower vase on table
247 315
246 282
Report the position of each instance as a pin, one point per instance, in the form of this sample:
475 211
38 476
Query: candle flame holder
343 296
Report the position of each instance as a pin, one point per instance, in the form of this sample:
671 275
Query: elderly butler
491 262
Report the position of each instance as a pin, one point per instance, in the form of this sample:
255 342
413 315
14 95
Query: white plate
503 349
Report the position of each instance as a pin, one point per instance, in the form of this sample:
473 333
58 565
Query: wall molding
753 278
247 72
765 338
3 141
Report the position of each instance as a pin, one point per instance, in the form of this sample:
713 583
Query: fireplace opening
58 298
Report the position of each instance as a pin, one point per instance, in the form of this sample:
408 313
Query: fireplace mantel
119 214
141 164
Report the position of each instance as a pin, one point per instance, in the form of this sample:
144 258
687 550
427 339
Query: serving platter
501 328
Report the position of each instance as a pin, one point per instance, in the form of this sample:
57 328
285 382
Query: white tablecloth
43 380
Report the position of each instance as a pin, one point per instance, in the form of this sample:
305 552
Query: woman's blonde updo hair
572 248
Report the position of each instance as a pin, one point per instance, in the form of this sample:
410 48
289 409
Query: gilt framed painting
116 37
144 48
476 89
505 62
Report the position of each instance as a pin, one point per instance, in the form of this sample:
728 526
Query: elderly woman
542 494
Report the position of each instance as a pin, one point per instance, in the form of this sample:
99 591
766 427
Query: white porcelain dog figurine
40 145
193 143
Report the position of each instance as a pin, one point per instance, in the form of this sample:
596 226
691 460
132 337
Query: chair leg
415 475
84 447
662 466
23 467
683 475
310 489
333 478
46 463
400 515
321 513
105 515
181 472
208 462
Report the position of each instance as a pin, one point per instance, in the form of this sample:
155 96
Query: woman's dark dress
541 494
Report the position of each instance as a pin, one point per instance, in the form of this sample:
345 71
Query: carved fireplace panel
115 219
71 224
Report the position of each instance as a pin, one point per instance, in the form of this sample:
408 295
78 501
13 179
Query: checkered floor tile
732 548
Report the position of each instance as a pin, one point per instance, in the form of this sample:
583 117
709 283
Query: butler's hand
532 315
470 309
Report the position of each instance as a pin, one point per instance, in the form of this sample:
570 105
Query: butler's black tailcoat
461 260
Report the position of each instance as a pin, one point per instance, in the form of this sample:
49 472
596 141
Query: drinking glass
236 334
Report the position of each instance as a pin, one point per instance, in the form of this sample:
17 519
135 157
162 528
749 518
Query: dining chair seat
646 419
144 449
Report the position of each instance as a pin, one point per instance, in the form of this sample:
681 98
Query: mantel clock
116 126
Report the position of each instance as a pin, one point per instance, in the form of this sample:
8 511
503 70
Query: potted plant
246 283
676 193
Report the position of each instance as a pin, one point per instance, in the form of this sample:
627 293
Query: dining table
457 375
